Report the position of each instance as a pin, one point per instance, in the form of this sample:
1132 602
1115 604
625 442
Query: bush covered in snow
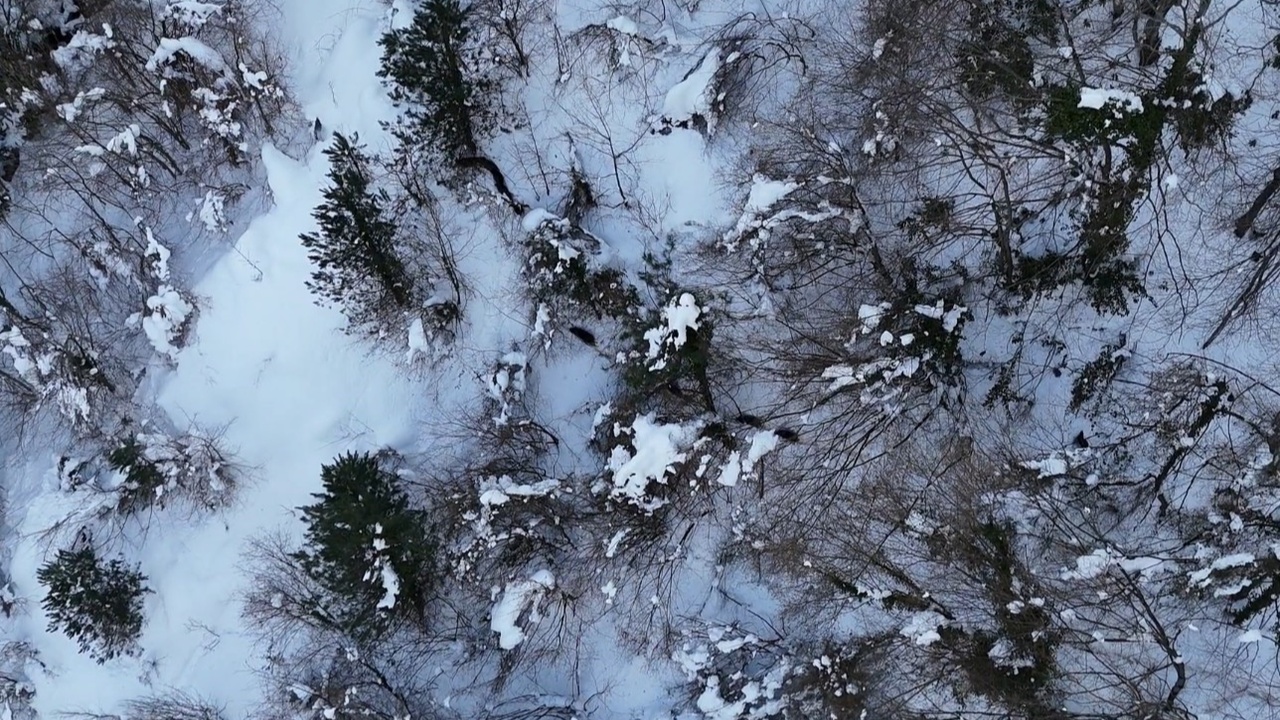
153 468
564 273
673 355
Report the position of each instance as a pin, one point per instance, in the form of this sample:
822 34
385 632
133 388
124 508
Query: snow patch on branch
736 466
656 449
679 318
516 598
382 567
168 309
923 627
83 47
191 13
199 52
1098 98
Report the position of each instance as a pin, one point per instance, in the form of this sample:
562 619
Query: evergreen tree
143 481
355 254
99 605
427 66
366 548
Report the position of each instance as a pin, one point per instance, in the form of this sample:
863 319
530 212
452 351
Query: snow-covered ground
759 567
274 369
292 391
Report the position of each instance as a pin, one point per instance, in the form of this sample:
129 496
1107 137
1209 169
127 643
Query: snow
731 470
1140 565
193 13
417 339
1091 565
308 383
950 318
1203 576
386 573
79 52
168 314
268 364
1097 98
682 317
624 25
679 317
870 316
765 193
762 443
126 140
70 111
536 217
922 627
612 548
1251 636
516 598
192 48
887 369
255 79
212 211
1053 466
877 49
715 707
497 491
692 96
657 449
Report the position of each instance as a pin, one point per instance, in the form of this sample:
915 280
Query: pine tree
143 481
357 263
426 64
361 528
98 605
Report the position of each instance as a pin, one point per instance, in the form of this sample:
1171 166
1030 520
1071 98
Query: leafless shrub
761 54
173 705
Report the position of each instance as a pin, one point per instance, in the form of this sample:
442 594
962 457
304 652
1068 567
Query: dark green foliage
1200 120
1089 127
661 368
1099 262
1098 373
1132 137
1038 18
99 605
560 272
361 521
836 684
357 263
1109 277
935 215
427 66
996 57
143 481
1016 663
925 303
1109 282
